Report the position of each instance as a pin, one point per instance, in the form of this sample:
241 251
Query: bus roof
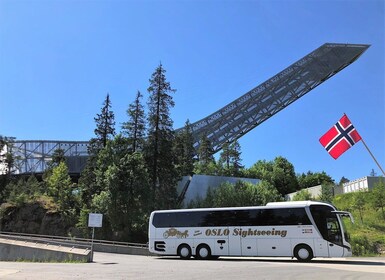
296 203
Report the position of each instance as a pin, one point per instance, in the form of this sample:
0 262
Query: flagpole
366 146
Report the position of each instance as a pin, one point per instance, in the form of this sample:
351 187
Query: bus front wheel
303 253
184 251
203 252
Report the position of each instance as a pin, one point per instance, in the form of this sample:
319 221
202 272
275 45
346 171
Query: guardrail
98 245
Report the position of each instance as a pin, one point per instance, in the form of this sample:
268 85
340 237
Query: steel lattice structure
33 156
229 123
256 106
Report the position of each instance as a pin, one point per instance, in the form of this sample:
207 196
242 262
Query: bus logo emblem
174 232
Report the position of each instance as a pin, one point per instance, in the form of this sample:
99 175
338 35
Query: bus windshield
327 223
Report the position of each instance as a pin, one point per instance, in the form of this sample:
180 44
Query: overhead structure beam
262 102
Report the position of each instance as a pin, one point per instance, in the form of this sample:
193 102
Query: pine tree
134 128
160 140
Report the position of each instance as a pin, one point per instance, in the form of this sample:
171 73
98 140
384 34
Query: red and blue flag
340 137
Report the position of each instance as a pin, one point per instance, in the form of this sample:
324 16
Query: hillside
368 232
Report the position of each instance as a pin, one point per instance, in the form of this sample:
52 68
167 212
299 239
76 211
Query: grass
368 231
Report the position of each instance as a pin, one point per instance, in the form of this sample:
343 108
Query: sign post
94 220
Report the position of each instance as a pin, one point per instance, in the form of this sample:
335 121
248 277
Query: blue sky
59 59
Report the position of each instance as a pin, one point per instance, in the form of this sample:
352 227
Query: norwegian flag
340 137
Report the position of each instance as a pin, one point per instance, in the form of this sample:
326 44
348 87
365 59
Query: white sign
95 220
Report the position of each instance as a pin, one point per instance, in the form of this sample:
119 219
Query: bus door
334 237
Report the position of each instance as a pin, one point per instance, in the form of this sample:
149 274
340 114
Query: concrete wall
15 250
116 249
314 191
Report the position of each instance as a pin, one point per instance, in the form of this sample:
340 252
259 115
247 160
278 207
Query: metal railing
68 241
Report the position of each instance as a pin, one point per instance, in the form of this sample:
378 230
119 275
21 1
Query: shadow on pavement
379 262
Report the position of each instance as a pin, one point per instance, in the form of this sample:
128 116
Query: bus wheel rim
184 252
203 252
303 253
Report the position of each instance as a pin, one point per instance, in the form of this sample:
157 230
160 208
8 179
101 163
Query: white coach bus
303 229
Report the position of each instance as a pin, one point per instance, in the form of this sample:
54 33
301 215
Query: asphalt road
113 266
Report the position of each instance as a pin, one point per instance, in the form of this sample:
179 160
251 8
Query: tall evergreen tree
205 150
160 140
206 162
105 126
230 159
184 151
104 131
134 128
7 163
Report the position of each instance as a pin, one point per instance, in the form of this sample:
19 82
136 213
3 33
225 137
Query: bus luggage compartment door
235 241
249 246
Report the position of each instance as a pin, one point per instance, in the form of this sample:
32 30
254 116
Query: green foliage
363 246
24 190
60 187
229 163
280 173
238 194
378 197
326 193
206 163
159 147
302 195
105 122
367 235
134 128
184 152
311 179
359 203
104 131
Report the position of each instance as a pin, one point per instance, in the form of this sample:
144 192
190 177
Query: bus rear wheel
303 253
184 251
203 252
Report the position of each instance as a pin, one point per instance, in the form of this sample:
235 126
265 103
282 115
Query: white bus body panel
243 241
247 240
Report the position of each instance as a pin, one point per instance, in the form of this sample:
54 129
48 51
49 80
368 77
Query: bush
362 246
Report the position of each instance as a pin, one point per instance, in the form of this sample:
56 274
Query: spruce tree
104 131
105 126
184 151
159 146
206 163
134 128
230 159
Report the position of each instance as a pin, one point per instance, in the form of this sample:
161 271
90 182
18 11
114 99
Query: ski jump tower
256 106
229 123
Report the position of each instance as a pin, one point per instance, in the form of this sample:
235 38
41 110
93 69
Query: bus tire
303 253
184 251
203 252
